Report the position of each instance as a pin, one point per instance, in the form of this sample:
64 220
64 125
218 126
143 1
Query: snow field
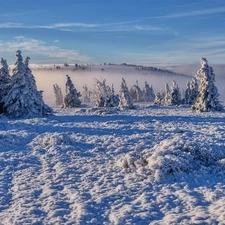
152 165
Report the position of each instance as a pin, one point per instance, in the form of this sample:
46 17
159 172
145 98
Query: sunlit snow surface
151 165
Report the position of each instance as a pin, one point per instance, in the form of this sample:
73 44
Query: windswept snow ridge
152 165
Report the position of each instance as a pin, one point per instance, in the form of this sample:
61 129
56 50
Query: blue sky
116 31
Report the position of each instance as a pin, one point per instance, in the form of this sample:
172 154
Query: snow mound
172 157
52 139
102 111
15 138
131 160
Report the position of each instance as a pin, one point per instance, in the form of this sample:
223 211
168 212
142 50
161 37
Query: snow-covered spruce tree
148 93
71 99
163 95
125 98
86 94
191 92
136 93
175 95
31 82
166 95
112 100
194 91
101 93
4 83
207 99
158 99
5 69
23 99
58 94
187 94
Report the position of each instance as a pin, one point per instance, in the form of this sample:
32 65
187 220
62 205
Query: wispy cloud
65 25
11 25
150 28
187 49
125 26
193 13
41 49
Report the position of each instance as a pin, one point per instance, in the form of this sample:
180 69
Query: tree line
201 97
19 96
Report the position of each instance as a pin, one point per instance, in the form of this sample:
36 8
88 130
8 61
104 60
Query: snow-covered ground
152 165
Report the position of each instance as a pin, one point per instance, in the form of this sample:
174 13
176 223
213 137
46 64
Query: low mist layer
49 75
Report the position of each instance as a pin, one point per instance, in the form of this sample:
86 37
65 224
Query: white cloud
62 25
108 27
86 27
56 41
150 28
11 25
194 13
187 49
39 48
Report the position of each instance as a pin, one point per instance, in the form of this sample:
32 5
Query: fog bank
45 78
